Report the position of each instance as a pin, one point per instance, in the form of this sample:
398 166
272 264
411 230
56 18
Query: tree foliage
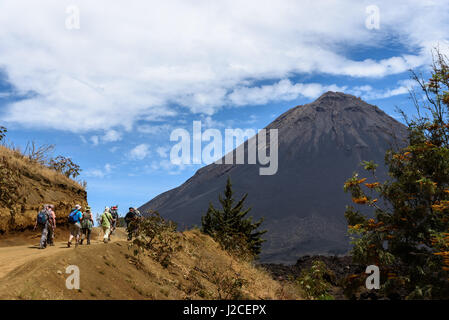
65 166
408 237
3 131
231 228
155 237
315 283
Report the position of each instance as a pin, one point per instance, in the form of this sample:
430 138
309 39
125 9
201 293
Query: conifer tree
230 227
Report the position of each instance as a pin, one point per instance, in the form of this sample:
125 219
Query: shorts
75 229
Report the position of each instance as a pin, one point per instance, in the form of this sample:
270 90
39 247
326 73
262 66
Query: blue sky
109 91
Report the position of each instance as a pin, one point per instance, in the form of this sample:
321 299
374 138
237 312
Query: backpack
130 216
114 214
87 222
72 216
42 217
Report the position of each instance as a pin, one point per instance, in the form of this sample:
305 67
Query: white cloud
140 152
112 136
130 63
99 173
154 129
83 139
162 151
109 136
283 90
369 93
108 167
166 165
95 140
94 173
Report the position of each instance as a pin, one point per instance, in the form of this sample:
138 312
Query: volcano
321 144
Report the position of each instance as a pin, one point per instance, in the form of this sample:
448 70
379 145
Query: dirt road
12 257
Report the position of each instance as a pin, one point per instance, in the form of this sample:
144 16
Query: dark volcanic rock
320 145
340 266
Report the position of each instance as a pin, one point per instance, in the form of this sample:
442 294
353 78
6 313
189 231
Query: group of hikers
81 224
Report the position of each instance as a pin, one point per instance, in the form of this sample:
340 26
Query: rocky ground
341 267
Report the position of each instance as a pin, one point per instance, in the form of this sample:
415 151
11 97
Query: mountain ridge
320 145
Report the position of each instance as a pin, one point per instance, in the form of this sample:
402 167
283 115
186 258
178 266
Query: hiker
75 218
115 217
138 214
52 227
86 225
105 221
131 222
43 222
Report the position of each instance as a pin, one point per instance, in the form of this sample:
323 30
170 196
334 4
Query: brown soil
22 248
27 186
201 270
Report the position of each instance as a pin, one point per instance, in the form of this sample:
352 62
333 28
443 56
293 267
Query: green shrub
314 283
231 229
65 166
156 237
3 131
408 237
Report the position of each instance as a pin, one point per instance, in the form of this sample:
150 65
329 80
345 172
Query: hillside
201 270
27 185
320 145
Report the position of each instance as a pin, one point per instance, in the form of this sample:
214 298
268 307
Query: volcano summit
320 145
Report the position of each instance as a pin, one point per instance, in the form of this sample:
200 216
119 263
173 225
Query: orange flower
372 185
361 200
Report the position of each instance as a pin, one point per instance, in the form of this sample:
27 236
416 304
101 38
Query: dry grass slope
27 185
200 270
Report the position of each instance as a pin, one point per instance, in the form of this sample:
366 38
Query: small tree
408 237
314 283
230 227
2 132
156 237
65 166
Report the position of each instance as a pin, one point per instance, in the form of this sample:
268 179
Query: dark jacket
131 215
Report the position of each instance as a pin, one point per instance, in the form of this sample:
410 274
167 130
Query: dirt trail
200 269
12 257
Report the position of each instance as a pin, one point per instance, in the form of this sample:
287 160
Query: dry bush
9 184
16 161
65 166
156 238
38 154
2 132
229 286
